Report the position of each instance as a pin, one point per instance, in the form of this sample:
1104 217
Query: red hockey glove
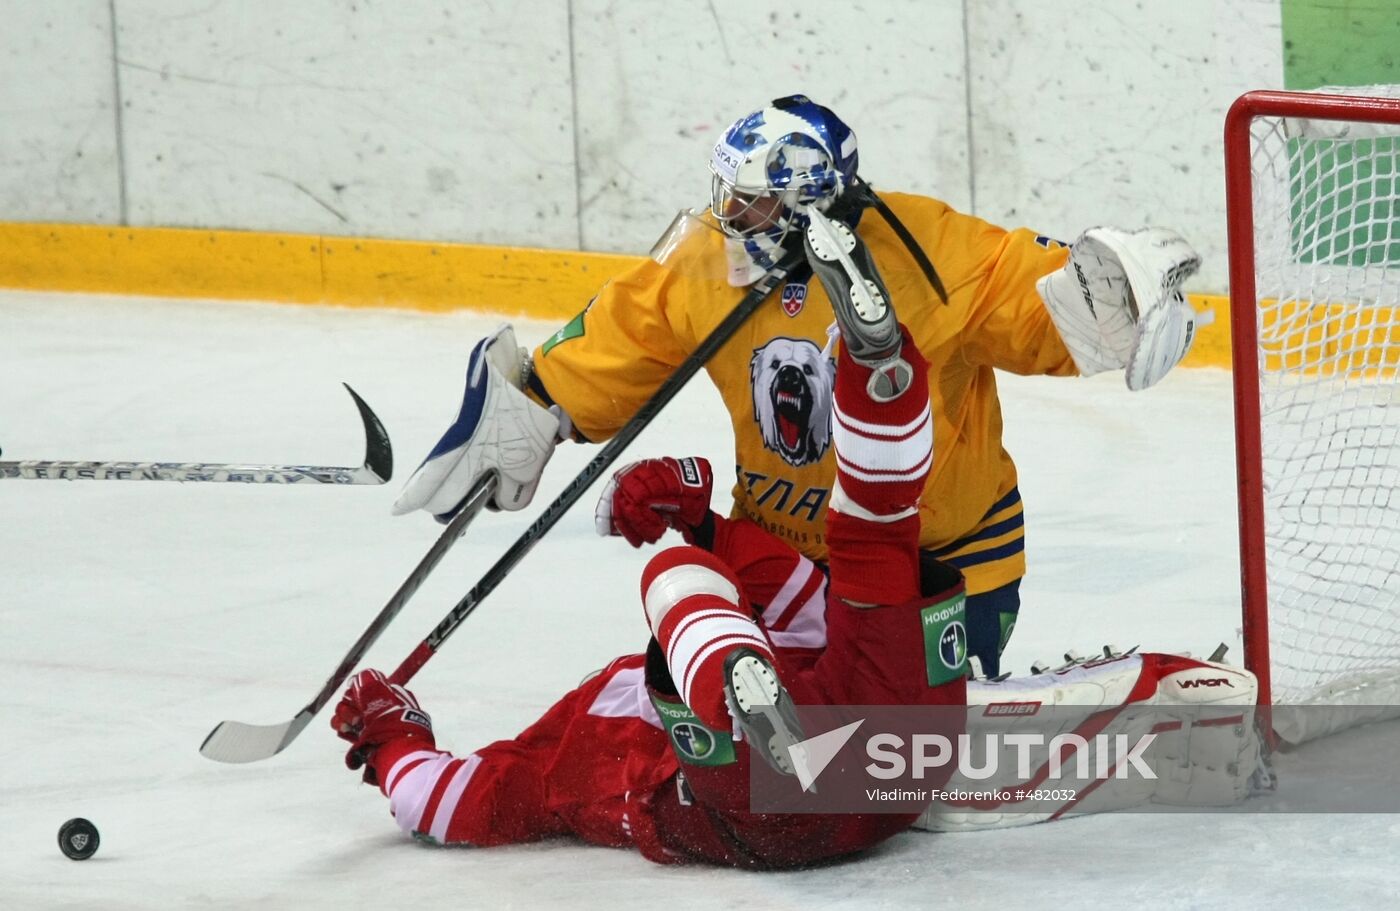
642 500
374 712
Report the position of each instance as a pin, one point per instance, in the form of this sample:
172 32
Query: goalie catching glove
644 499
498 429
1118 302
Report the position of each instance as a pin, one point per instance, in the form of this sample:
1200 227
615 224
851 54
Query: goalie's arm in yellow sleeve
1007 325
605 363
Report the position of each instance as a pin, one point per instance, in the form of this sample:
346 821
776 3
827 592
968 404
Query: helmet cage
745 211
775 163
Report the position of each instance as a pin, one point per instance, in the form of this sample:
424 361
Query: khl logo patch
794 297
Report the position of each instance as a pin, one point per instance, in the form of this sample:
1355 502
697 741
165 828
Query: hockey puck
77 838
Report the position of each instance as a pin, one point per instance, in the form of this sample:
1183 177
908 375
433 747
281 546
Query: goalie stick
378 466
235 741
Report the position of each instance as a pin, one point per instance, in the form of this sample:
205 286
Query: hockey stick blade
378 466
379 453
235 741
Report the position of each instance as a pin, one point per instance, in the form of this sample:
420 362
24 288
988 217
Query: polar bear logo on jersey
792 384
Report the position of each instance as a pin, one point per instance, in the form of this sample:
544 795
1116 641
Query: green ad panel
1344 201
1340 42
1344 192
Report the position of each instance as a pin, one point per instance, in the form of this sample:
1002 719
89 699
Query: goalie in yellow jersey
975 298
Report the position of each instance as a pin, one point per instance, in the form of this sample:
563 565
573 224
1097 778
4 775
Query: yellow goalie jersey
776 378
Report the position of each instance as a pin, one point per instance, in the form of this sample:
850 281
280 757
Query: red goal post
1313 210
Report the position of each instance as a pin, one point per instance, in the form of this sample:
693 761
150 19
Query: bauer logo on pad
1010 709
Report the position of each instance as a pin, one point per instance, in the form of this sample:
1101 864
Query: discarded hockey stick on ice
593 470
235 741
378 466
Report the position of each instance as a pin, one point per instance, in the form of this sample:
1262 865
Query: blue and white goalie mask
768 169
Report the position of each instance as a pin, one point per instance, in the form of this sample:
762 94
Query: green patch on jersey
693 742
945 639
572 329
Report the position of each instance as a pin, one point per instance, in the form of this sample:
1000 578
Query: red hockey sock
883 454
883 449
693 604
873 562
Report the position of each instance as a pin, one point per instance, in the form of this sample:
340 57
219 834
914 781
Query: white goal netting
1326 203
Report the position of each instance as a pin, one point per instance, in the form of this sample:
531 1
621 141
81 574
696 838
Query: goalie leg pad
1199 714
1207 747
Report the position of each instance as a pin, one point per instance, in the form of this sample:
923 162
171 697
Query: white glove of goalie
498 429
1118 302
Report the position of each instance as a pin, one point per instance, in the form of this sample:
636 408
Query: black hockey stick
235 741
594 469
378 466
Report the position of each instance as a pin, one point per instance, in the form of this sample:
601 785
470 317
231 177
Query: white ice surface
133 616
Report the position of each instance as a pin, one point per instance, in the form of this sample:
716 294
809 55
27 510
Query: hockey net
1313 200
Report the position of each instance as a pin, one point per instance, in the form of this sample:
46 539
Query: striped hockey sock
884 450
693 604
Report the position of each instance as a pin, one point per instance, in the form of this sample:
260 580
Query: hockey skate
763 708
860 302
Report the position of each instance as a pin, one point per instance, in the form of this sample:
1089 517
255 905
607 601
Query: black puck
77 838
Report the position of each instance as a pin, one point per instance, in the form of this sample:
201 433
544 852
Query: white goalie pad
1197 718
1118 302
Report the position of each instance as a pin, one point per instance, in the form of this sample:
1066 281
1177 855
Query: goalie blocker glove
1118 302
498 429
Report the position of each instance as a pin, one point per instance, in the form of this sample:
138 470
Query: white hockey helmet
771 165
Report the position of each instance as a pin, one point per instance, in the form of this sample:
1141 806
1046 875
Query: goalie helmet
772 164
